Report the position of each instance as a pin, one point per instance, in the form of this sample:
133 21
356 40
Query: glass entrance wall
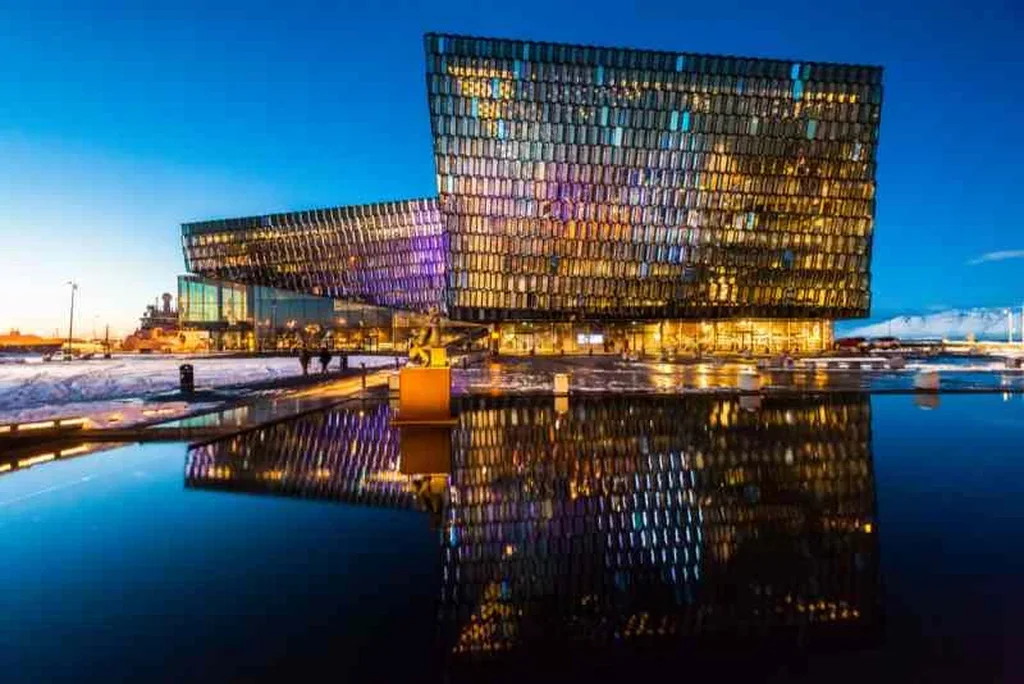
669 337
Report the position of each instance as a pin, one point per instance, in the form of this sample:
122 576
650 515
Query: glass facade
579 183
258 317
209 301
389 254
589 182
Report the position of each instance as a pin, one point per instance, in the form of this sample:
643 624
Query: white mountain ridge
985 323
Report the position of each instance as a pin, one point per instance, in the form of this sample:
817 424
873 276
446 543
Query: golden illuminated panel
578 181
755 335
390 254
655 517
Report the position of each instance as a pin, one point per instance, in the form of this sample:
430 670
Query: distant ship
16 343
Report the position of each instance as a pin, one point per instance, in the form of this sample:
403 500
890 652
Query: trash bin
186 378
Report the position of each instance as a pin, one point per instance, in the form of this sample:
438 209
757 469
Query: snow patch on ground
34 389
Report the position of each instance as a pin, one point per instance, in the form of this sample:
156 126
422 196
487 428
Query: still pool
846 537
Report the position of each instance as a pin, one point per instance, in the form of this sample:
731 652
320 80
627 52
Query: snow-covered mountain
985 323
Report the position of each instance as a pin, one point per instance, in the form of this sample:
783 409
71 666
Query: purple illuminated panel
346 455
391 254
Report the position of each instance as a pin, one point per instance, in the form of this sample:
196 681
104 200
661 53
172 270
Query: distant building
605 197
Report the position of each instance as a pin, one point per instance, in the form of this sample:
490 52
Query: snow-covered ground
31 389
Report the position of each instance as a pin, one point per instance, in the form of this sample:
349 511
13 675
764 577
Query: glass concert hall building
588 195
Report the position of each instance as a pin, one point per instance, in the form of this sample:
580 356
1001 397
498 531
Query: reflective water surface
840 537
602 374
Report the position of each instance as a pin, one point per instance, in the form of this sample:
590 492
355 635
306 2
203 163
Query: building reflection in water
642 518
639 520
349 455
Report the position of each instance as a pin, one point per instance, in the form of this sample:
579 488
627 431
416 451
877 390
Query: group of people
305 356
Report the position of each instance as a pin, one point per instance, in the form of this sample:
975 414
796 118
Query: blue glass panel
673 121
794 73
686 121
798 90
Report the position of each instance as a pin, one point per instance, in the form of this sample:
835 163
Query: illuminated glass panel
390 254
608 183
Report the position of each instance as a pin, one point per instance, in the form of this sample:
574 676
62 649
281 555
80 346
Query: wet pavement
611 374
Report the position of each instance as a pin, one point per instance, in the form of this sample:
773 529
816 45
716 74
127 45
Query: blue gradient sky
117 123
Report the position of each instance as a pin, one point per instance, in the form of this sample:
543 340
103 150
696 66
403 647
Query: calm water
844 538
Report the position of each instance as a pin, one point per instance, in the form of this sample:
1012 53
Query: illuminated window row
765 207
656 90
569 123
657 139
752 152
422 211
504 97
485 52
480 238
704 171
637 193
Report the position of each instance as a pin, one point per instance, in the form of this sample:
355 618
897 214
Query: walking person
325 359
304 359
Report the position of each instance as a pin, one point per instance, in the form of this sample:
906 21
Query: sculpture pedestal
424 394
425 420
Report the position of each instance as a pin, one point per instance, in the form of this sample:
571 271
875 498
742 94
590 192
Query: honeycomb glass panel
757 158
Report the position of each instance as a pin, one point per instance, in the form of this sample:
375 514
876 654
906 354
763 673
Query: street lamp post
71 318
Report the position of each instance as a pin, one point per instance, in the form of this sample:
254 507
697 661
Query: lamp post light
71 318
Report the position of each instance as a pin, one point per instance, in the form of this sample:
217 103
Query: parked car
851 344
885 343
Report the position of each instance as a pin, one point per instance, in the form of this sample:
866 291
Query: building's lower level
236 316
667 337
